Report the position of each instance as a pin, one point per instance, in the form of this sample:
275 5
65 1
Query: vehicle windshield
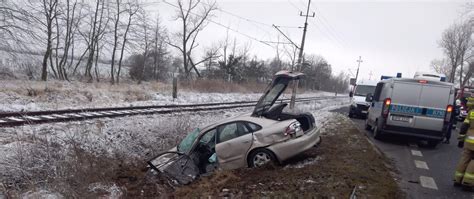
363 90
186 144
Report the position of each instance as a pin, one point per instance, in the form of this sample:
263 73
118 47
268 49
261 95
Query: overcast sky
391 36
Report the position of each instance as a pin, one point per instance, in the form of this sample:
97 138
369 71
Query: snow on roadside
35 96
134 137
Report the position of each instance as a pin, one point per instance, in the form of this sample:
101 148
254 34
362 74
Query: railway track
8 119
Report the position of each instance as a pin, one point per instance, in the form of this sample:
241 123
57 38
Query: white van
414 107
359 106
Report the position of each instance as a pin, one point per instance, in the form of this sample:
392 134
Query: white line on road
416 153
421 165
428 182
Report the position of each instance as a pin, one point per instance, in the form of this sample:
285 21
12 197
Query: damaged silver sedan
251 140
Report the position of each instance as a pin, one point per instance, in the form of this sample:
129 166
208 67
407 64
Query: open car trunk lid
274 90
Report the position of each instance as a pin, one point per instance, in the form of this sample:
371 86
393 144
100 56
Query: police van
418 107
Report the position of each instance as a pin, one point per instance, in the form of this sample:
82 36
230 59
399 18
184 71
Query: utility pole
300 56
358 66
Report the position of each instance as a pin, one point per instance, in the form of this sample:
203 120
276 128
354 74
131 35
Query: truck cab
415 107
359 107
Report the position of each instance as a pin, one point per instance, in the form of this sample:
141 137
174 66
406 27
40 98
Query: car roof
416 81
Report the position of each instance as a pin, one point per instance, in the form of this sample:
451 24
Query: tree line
75 36
457 43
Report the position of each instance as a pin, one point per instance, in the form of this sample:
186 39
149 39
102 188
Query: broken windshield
186 144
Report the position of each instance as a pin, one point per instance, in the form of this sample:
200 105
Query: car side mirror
369 97
351 94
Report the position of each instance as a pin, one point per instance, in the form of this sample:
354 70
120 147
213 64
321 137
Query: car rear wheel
260 157
367 125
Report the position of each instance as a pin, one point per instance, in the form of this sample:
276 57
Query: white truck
415 107
359 106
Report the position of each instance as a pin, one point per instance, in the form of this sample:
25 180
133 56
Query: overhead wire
330 28
224 26
325 33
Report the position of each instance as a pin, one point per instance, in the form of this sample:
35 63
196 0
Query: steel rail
8 119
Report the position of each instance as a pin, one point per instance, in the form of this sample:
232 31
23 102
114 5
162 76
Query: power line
324 33
292 4
224 26
325 22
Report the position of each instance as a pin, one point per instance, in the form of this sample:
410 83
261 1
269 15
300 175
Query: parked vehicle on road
359 106
414 107
250 140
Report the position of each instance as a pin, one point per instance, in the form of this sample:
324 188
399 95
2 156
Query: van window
406 93
434 96
378 91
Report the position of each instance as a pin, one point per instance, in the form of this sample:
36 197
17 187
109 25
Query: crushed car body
251 140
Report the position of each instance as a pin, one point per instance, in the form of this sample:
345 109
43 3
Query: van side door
375 109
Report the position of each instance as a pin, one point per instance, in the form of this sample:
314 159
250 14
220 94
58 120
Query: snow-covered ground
35 151
34 96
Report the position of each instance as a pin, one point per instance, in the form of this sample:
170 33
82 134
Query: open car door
274 90
176 166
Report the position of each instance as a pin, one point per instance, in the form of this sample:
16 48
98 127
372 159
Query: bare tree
159 48
132 9
116 37
49 12
145 37
441 66
456 42
98 28
15 25
193 15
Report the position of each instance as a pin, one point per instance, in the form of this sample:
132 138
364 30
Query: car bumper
292 147
359 110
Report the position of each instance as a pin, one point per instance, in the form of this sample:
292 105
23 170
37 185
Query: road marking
428 182
413 145
421 165
416 153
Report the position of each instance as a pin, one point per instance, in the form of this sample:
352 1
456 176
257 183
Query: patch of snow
113 190
304 163
41 194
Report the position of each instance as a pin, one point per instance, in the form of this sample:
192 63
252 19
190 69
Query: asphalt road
422 172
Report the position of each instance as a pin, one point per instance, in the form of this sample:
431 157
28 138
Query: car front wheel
260 157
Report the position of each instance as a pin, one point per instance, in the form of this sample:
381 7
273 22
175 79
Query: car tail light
449 111
292 128
386 107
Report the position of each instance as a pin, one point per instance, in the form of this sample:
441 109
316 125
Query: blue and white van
416 107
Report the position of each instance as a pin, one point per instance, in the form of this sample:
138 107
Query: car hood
274 90
359 100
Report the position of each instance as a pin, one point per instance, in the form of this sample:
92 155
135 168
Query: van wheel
367 125
377 132
260 157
